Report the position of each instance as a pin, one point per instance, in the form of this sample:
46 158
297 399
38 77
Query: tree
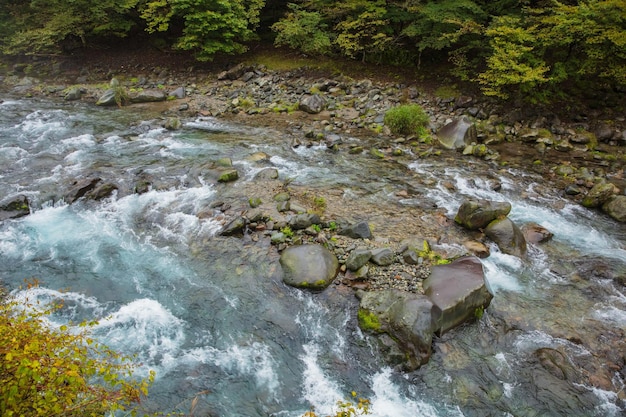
39 26
514 62
302 30
209 26
365 30
46 371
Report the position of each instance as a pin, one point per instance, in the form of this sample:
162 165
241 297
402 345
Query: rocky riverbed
580 157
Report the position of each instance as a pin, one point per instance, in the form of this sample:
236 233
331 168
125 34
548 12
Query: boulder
15 208
266 174
304 220
178 93
616 208
458 291
229 175
535 233
108 98
598 195
234 227
359 230
234 72
477 214
309 266
80 188
74 93
358 258
383 256
507 236
312 104
457 134
147 96
404 316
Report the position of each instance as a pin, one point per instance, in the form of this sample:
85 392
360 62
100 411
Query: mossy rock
229 176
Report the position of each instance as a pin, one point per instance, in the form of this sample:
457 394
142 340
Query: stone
304 220
101 191
234 73
477 214
229 175
178 93
108 98
74 93
358 258
458 291
616 208
15 208
477 248
80 188
234 227
382 256
266 174
598 195
312 104
309 266
535 233
407 318
507 236
457 134
147 96
359 230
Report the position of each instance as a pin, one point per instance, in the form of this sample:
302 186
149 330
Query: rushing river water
212 317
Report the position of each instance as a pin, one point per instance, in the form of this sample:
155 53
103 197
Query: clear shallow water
211 314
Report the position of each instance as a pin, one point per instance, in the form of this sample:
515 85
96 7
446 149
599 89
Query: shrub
407 119
46 371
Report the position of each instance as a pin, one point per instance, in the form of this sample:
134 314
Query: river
212 317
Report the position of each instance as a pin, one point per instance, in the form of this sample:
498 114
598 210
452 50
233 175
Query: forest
538 50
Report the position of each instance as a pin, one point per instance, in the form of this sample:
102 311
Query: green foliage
406 119
212 26
366 30
302 30
514 62
368 320
46 371
39 26
287 232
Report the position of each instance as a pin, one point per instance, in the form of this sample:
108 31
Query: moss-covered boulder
14 208
616 208
403 316
229 175
458 291
507 236
599 194
309 266
477 214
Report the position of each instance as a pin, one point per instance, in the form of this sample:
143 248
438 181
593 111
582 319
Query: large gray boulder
312 104
404 316
14 208
309 266
457 134
148 96
458 291
509 238
616 208
477 214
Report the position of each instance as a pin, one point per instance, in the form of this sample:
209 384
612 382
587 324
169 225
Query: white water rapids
211 315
